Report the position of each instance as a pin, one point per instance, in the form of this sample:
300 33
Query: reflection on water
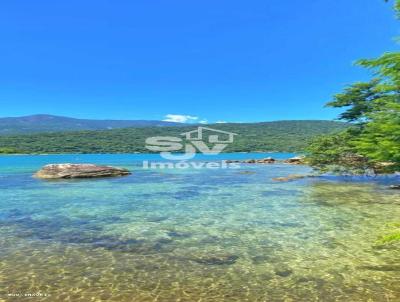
209 235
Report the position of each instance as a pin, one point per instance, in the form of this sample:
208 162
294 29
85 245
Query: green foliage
8 150
335 153
374 108
372 143
284 136
380 138
360 97
396 7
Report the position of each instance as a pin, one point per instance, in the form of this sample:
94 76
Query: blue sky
224 60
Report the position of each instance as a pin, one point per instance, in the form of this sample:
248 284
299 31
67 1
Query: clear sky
215 60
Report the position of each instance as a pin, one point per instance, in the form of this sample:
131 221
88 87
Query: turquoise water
195 235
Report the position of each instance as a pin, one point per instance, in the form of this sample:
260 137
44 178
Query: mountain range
52 123
284 136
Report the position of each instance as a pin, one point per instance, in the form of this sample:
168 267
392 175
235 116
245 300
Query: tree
334 153
360 100
374 110
380 139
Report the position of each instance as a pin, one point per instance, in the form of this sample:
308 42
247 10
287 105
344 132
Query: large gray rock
60 171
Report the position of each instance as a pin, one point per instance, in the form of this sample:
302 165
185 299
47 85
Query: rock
394 187
176 234
382 268
229 161
383 165
297 160
216 259
284 273
63 171
291 177
247 172
268 160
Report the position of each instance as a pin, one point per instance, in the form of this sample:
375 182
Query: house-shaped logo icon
216 136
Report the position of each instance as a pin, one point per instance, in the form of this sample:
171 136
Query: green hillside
284 136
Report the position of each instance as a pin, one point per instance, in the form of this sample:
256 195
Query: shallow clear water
194 235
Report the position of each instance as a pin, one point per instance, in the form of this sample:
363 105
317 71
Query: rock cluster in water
66 171
269 160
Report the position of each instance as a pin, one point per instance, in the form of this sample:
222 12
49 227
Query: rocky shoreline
297 160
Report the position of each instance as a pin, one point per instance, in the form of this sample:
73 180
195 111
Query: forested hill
285 136
52 123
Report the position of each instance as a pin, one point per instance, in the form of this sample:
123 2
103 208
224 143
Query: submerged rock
291 177
215 259
63 171
394 187
382 268
283 273
247 172
176 234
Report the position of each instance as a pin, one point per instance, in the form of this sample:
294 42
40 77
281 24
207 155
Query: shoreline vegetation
372 143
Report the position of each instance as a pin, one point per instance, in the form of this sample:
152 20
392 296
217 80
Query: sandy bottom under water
209 235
